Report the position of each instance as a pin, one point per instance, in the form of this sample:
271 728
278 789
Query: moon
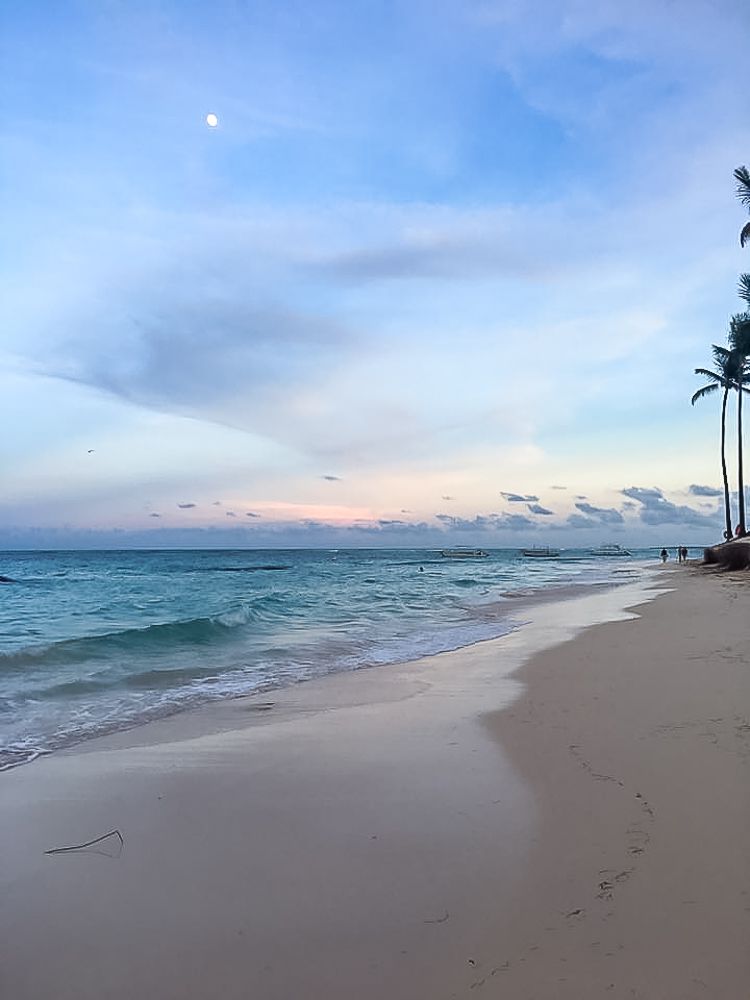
212 120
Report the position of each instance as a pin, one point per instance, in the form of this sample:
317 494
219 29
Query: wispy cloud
579 521
457 250
519 498
656 509
705 491
536 508
605 515
487 522
189 353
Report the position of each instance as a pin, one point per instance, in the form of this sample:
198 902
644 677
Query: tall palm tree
722 377
739 342
742 176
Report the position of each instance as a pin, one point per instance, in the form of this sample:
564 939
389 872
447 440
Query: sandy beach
561 813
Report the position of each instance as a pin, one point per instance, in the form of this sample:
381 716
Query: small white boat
541 552
463 554
610 550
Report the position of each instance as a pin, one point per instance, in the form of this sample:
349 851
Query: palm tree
739 342
742 176
722 377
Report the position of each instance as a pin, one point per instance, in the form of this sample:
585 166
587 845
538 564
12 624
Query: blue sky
433 254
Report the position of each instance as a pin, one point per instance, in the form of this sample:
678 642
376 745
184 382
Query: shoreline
392 833
504 612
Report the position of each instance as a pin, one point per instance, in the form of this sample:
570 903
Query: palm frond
742 176
745 234
721 354
707 373
704 391
739 334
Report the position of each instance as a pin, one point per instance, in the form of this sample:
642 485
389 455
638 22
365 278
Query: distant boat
541 552
463 554
610 550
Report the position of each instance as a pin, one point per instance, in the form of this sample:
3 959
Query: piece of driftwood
89 843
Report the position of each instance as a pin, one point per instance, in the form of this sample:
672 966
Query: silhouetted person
664 555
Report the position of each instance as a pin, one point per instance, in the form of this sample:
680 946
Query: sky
441 274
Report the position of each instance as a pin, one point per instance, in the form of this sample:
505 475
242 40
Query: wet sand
433 830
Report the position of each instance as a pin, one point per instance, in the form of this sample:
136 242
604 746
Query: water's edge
513 606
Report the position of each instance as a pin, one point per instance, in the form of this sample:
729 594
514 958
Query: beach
561 812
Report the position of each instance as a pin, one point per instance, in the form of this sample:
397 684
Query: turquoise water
96 641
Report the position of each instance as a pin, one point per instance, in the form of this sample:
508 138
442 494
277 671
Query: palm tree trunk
727 508
740 477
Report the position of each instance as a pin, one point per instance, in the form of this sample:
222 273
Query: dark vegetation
730 374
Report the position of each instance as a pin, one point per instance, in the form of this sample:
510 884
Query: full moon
212 121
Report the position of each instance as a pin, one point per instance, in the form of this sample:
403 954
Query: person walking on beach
664 555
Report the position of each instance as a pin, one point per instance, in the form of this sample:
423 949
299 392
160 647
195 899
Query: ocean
92 642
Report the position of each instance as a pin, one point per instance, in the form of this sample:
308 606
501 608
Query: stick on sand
89 843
